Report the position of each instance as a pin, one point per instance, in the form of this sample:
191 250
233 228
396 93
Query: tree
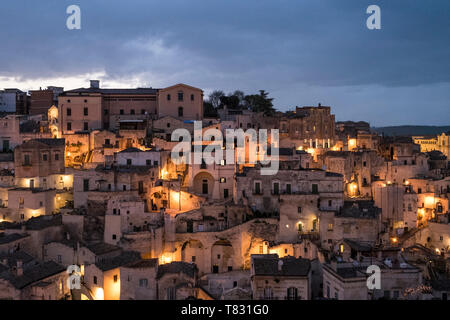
230 101
208 110
214 98
260 102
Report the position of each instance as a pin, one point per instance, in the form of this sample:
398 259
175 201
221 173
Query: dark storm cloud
301 51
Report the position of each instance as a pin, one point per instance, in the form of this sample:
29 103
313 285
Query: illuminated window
341 248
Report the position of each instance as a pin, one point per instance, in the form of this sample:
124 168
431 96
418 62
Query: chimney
19 268
95 84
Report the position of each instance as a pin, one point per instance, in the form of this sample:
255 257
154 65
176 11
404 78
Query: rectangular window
44 157
69 126
276 188
288 188
95 280
115 278
69 111
121 111
180 96
85 126
148 162
85 185
257 188
299 209
86 111
26 160
56 156
143 283
129 162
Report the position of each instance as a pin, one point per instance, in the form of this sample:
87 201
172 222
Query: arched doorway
204 184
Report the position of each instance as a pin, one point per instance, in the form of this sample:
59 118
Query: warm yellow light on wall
166 258
99 295
438 251
352 143
429 202
394 240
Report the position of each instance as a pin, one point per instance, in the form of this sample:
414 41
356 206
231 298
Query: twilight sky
301 51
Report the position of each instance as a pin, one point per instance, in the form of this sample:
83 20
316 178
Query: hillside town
93 207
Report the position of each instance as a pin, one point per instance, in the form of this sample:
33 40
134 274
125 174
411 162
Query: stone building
262 193
39 158
23 278
287 278
181 101
310 127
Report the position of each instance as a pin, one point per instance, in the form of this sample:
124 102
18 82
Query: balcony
309 235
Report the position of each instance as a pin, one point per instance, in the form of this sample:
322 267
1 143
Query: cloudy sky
301 51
